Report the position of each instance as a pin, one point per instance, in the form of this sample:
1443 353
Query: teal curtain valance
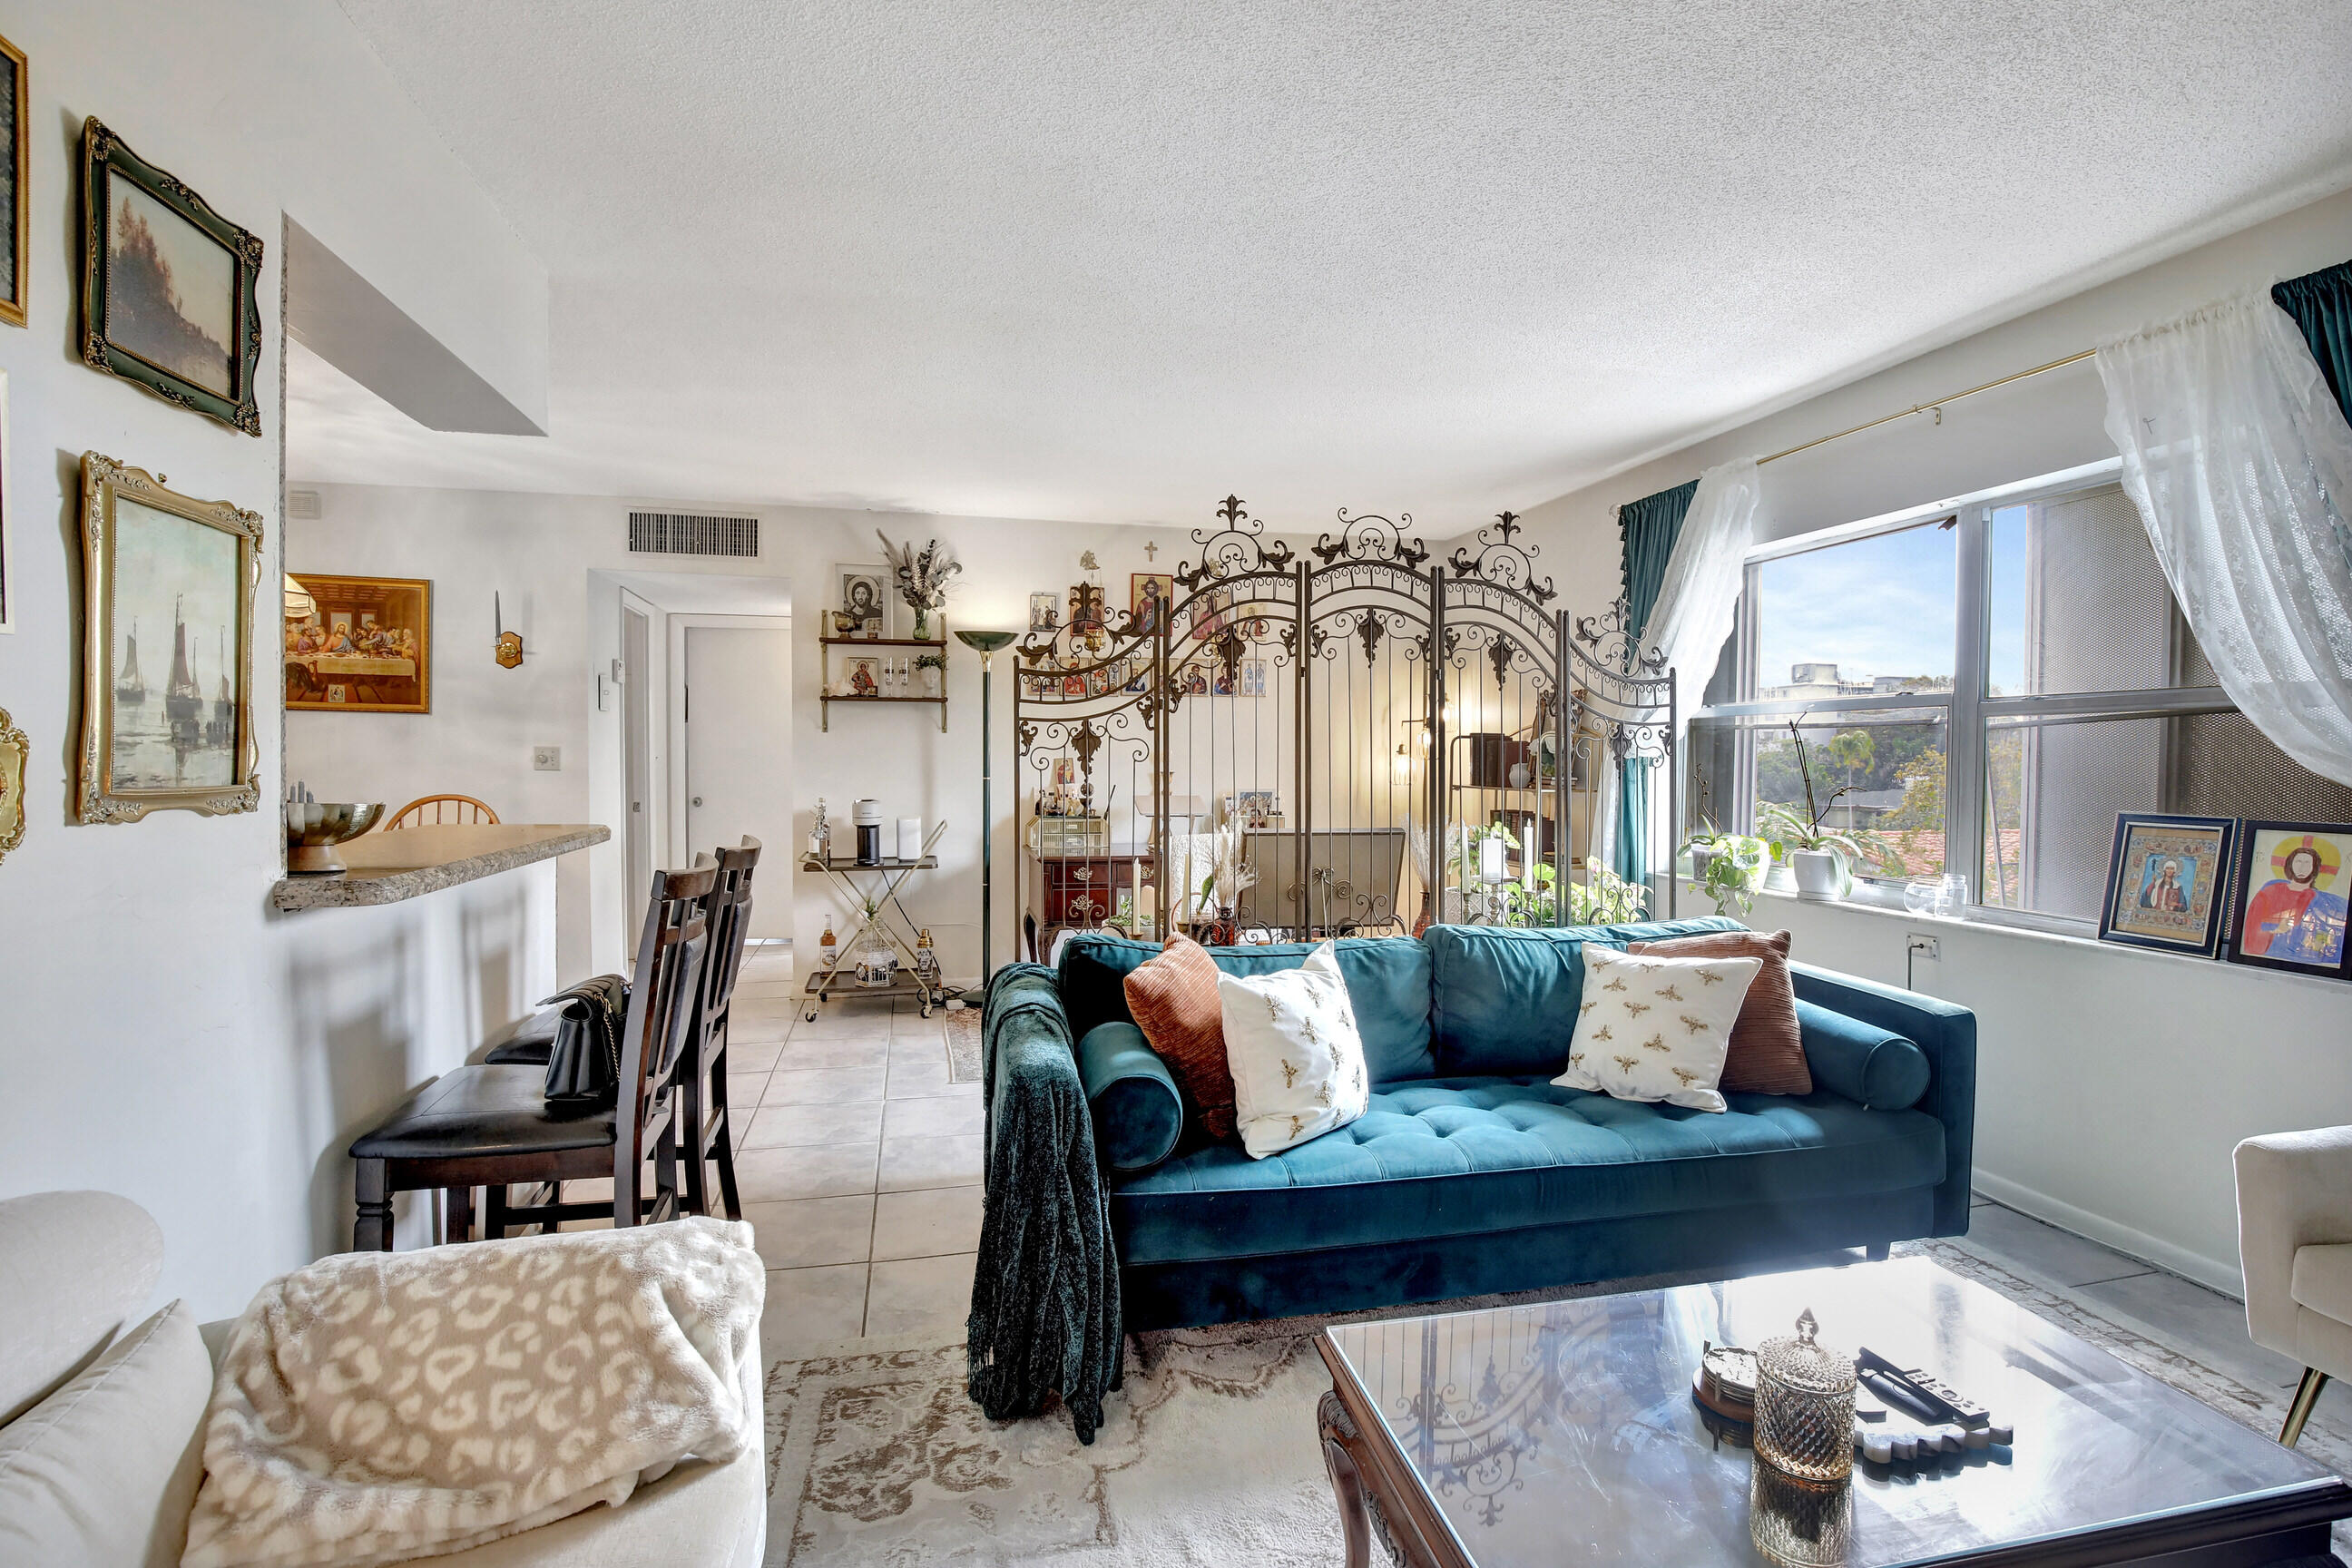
1648 529
2321 304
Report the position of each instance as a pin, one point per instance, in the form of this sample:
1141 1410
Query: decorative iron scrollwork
1236 547
1503 561
1371 538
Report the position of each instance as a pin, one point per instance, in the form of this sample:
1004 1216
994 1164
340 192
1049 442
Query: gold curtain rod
1923 407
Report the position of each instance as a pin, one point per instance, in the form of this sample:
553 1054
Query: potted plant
1822 858
1728 868
1605 898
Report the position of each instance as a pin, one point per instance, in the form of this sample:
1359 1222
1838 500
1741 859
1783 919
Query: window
1983 691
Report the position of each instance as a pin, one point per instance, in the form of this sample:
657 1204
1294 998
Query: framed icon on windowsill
2294 883
2168 882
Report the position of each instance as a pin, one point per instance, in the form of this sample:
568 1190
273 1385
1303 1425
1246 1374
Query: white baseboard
2212 1273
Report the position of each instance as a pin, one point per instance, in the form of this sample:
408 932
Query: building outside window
1982 691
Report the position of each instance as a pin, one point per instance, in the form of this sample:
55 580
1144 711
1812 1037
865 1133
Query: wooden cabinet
1084 890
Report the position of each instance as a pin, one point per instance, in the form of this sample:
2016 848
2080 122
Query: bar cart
872 888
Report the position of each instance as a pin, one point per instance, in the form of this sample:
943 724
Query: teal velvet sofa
1471 1174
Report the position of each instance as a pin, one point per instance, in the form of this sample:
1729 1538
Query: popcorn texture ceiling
1110 261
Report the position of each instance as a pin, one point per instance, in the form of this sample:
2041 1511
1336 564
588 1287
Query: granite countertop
386 868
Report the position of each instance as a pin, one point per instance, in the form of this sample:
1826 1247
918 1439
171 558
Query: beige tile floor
859 1163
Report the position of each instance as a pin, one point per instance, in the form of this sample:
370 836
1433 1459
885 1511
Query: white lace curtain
1692 616
2240 464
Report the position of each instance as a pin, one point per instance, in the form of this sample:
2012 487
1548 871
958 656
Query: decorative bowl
314 828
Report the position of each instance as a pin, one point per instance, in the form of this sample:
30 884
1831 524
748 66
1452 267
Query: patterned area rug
963 1045
877 1455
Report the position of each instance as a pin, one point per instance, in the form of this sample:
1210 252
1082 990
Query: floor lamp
984 644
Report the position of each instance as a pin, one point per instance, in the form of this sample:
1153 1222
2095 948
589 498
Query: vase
922 624
1820 875
930 681
1219 930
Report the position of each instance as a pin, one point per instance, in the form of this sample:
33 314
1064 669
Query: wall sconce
510 644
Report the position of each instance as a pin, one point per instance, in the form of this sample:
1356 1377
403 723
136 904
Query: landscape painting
167 711
171 289
168 286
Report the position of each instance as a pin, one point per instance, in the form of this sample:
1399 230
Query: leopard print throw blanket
377 1406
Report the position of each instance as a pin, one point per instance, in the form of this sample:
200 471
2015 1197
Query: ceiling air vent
684 533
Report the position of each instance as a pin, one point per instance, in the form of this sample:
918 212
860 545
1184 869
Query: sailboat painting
168 572
169 705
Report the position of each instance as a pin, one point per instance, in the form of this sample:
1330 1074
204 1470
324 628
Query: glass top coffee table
1565 1433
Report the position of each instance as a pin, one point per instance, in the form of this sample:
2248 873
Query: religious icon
2166 882
2292 888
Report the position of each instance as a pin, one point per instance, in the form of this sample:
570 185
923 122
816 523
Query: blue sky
1885 605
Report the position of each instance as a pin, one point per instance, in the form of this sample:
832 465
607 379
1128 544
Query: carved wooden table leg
1355 1529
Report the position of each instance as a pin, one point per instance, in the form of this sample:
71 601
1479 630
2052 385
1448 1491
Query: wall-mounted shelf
828 659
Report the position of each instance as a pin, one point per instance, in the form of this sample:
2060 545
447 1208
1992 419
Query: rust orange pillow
1174 1000
1767 1054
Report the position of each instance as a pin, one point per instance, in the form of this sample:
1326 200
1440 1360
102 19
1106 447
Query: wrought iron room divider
1386 729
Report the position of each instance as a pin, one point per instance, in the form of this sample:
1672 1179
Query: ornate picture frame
15 161
142 228
2168 882
16 752
190 745
359 645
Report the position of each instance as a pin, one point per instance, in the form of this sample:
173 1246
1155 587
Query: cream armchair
101 1450
2295 1243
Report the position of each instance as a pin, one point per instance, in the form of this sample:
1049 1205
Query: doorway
637 751
734 747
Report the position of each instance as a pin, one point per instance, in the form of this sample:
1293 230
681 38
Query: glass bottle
820 835
927 959
828 952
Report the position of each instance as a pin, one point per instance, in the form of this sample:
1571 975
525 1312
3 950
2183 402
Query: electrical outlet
547 758
1928 947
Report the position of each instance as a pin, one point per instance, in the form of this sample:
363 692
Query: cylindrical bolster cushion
1137 1112
1875 1067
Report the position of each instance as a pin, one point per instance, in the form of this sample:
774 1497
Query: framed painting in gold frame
358 645
167 725
14 750
15 201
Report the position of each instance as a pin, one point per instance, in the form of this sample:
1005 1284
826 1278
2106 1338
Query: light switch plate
547 758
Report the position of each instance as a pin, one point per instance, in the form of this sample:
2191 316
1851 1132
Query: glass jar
1804 1406
876 957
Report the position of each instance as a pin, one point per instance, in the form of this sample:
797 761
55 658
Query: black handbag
584 1065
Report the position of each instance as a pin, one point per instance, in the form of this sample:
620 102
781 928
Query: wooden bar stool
445 809
490 1125
706 1087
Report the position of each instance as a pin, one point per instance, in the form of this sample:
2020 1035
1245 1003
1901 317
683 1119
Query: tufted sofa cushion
1465 1155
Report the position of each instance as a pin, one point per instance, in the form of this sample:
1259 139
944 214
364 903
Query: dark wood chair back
661 1037
705 1093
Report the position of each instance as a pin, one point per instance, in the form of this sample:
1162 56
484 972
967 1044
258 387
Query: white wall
162 1034
561 563
2113 1083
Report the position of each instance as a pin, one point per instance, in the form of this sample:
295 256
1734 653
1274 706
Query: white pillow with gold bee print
1297 1058
1655 1028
